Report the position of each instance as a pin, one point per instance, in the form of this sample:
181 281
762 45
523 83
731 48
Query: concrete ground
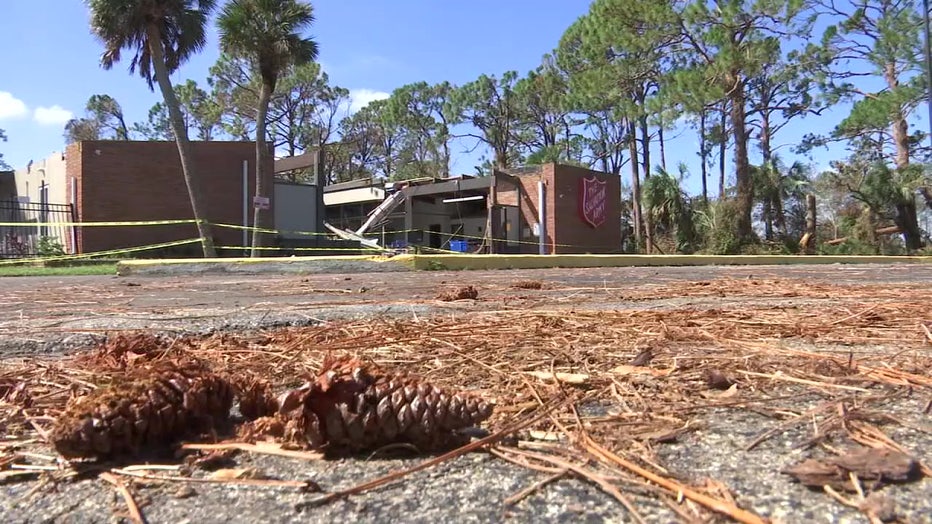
48 315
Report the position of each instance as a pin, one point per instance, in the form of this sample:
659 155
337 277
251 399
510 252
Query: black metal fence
33 239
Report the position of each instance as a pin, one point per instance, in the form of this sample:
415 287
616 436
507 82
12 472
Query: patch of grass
43 271
433 265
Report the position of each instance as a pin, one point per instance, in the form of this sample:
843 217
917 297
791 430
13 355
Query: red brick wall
566 231
570 228
132 181
529 212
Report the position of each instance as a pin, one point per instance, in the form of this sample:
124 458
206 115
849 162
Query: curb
376 264
456 262
285 265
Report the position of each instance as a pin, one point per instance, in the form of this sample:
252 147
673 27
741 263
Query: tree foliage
103 120
200 112
491 106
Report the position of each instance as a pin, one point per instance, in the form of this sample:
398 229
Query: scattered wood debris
576 379
875 467
528 284
460 293
717 380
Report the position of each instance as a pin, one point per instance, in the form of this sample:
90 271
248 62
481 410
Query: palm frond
269 34
125 24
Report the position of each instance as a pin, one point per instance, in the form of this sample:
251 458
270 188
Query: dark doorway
435 240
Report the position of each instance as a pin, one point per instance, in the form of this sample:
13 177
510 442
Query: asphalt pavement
46 316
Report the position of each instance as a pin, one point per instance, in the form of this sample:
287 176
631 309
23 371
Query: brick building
582 209
498 213
130 181
143 181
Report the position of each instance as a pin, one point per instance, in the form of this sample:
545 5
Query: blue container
460 246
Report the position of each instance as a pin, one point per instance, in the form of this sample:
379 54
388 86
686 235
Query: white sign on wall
260 202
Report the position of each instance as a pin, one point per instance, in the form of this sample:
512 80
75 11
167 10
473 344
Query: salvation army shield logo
592 200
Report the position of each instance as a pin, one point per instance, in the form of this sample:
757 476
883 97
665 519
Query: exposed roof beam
451 186
293 163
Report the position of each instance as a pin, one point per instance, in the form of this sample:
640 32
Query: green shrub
718 226
49 247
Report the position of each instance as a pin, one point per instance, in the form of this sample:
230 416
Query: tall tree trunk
907 215
645 152
635 186
703 155
779 215
645 145
605 163
191 180
765 149
663 149
775 219
262 216
501 156
722 148
767 216
445 159
907 219
901 140
122 130
809 239
743 185
567 142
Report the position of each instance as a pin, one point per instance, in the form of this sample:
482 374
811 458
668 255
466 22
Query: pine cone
353 406
143 414
255 398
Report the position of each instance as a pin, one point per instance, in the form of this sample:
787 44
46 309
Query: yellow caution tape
97 224
249 248
98 253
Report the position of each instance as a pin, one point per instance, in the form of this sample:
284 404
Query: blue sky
50 65
368 46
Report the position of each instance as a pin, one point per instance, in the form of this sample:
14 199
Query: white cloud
11 107
360 98
52 115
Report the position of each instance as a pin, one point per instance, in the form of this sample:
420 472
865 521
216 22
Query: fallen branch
265 449
134 513
788 378
524 493
242 482
888 230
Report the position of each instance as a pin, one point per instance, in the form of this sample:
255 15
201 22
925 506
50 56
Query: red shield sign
593 200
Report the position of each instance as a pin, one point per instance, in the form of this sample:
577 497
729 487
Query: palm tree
668 208
267 35
774 185
162 34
